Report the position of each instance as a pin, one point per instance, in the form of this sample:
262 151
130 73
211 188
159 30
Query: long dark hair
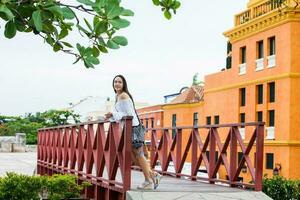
125 87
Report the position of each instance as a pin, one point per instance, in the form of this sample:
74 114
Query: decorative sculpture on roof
196 81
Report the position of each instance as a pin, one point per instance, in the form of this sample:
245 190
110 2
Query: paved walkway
17 162
169 189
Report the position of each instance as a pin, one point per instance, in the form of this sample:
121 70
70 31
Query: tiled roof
194 94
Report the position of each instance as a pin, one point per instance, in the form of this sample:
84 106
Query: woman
125 107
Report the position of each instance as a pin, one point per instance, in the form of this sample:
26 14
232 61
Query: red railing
198 140
97 151
92 153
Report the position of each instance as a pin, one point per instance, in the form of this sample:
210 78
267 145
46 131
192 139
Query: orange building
260 84
151 117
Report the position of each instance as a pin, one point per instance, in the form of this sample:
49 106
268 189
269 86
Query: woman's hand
108 115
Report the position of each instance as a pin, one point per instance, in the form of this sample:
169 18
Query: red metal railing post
212 153
194 154
259 157
127 156
233 154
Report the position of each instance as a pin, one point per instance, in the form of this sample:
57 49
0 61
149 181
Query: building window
217 119
152 123
240 155
260 116
216 156
272 47
259 94
173 125
260 49
208 120
147 124
242 96
242 119
195 119
142 121
243 55
271 87
269 160
271 118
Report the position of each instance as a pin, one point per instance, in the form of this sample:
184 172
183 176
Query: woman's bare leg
143 163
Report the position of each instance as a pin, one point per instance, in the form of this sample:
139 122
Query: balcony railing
242 69
259 64
271 61
256 11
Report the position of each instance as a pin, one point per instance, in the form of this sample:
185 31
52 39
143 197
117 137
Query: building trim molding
183 105
263 23
257 81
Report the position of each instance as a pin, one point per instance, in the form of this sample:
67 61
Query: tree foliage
53 21
30 123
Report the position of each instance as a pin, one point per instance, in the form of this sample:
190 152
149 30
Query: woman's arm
124 108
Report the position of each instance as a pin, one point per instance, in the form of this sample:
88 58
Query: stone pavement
169 189
181 189
17 162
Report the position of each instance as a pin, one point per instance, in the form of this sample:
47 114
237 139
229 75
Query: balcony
259 64
256 11
242 69
270 133
271 61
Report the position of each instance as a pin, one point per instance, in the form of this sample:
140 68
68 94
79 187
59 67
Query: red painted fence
97 151
202 144
90 152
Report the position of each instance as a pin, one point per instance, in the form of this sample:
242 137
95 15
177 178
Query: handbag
138 134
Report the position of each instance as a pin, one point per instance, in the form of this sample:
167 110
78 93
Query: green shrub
23 187
279 188
64 187
16 186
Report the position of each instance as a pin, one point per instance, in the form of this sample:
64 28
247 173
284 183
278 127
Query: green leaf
114 11
67 44
80 49
100 3
50 40
10 29
176 5
119 23
83 30
88 65
101 41
96 52
112 45
57 47
102 49
100 27
93 60
63 33
56 10
86 2
156 2
19 25
88 24
120 40
167 14
37 20
68 13
127 12
7 12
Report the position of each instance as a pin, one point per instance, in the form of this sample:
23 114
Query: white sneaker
146 185
157 179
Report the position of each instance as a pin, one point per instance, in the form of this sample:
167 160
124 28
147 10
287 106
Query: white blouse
124 107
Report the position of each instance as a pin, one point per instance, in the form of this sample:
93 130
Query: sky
162 56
